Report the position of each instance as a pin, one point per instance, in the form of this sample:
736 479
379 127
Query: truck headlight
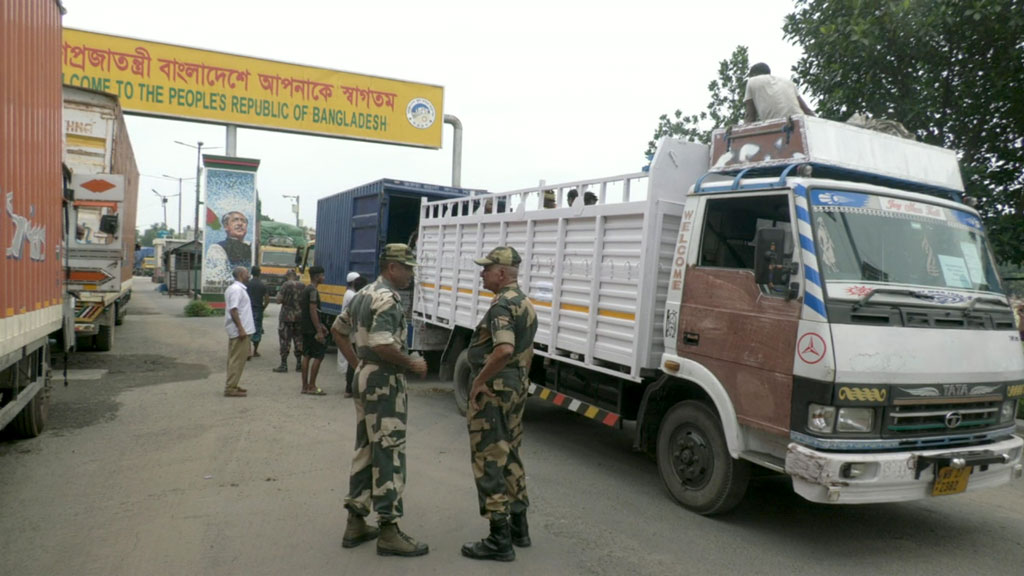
821 418
855 420
1008 411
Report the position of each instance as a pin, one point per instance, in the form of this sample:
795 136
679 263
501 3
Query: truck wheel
30 422
694 461
119 313
105 338
462 382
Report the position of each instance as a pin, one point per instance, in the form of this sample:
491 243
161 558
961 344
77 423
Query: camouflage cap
399 253
503 255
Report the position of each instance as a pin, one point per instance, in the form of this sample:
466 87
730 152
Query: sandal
315 392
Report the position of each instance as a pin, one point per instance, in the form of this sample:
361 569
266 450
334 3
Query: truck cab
276 257
843 313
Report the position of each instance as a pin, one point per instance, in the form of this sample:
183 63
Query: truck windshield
285 259
869 238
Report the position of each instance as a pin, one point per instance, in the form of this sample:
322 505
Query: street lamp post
199 172
163 201
180 180
295 207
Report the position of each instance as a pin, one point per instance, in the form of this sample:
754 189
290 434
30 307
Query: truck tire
119 313
462 382
31 421
694 461
105 338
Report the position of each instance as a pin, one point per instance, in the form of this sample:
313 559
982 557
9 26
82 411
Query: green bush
198 308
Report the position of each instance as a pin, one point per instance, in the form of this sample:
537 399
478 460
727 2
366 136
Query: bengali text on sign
174 81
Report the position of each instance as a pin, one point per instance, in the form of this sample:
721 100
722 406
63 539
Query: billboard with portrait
229 235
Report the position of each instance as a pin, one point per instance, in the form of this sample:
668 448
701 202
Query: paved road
147 469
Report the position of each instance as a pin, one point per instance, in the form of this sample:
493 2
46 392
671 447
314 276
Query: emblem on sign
420 113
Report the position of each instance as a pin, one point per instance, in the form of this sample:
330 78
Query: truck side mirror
769 244
108 224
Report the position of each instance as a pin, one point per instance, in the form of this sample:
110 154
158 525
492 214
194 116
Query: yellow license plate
951 480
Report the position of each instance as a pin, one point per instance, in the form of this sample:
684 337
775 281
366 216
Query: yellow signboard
165 80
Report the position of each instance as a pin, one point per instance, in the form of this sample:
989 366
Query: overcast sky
554 90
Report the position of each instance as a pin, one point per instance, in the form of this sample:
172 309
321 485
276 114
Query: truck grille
910 418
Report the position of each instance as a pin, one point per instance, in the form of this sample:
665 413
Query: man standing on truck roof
500 353
314 334
239 325
768 97
257 291
288 330
376 320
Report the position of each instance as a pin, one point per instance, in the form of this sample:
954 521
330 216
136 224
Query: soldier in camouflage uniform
376 321
288 321
500 354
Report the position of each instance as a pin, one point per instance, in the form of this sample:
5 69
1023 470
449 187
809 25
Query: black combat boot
497 545
283 367
520 529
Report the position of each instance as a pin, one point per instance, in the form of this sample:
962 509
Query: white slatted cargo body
597 275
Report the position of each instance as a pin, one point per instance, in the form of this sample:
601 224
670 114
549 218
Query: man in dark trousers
258 296
314 334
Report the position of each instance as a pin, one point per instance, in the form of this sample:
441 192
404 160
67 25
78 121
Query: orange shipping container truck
31 222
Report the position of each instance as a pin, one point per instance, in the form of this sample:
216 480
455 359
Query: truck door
744 333
368 213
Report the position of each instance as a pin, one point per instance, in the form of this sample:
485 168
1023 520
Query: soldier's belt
385 365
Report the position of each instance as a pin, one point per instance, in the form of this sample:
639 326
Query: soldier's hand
478 388
418 366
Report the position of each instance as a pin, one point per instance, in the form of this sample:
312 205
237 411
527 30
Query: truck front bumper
826 477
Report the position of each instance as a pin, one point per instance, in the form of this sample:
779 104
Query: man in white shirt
768 97
239 325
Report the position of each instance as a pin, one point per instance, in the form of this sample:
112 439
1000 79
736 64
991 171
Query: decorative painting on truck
230 210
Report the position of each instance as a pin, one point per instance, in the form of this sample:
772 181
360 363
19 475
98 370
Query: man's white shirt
236 296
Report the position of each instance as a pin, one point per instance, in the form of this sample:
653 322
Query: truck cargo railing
597 274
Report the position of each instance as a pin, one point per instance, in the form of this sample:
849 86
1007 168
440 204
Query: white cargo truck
105 180
806 296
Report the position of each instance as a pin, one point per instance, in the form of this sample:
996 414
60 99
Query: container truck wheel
462 382
30 422
694 461
105 338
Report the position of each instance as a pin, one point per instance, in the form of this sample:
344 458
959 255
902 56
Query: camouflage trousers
288 332
377 477
495 436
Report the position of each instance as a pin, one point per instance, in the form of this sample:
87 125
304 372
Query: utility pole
163 201
295 206
199 172
181 230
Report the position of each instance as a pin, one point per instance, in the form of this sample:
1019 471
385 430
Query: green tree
153 232
952 71
724 109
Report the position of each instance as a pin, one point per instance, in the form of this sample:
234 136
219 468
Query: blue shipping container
353 226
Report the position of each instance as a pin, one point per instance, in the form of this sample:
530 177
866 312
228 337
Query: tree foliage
152 233
952 71
724 109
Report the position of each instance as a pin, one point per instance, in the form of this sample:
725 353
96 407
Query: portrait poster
228 218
